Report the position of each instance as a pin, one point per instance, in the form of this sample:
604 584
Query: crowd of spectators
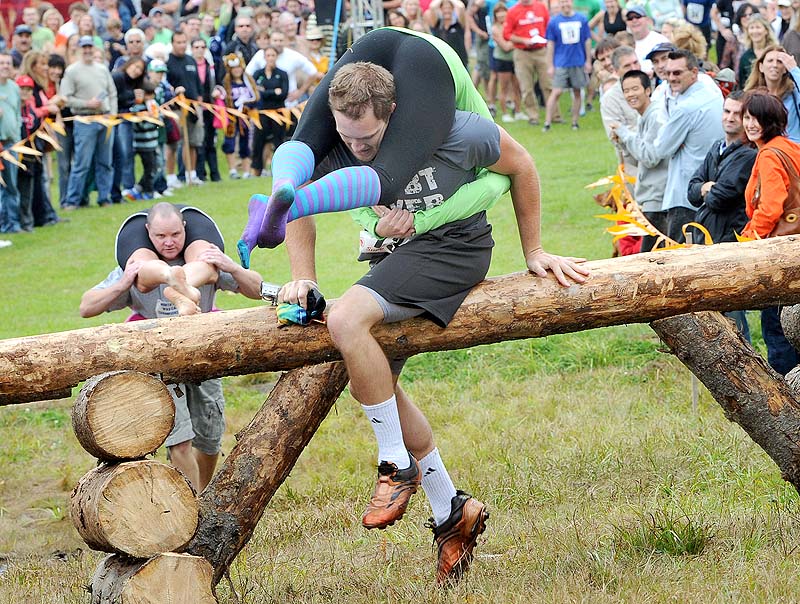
107 57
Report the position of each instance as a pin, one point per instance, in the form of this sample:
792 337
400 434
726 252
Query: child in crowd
240 93
145 142
156 74
26 177
114 41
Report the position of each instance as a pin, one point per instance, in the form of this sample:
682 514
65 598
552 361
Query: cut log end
174 578
138 508
123 415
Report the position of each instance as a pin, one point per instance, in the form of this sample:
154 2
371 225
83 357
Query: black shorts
501 66
435 271
132 235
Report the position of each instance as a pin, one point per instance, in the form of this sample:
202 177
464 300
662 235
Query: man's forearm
97 301
525 192
249 282
301 238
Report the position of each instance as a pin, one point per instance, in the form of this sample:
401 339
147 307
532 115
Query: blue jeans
740 318
781 355
9 199
90 147
123 160
64 164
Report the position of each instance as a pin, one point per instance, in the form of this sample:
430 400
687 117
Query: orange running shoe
392 493
457 536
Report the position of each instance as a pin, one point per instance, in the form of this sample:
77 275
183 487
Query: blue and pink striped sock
343 189
292 165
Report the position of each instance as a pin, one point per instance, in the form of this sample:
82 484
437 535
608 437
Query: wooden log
266 451
167 577
639 288
741 381
138 508
123 415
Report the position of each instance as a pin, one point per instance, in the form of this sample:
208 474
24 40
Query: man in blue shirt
569 58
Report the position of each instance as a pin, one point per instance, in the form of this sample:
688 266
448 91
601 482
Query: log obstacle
640 288
123 415
168 577
140 510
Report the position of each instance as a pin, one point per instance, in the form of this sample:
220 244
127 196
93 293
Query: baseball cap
24 81
636 10
22 29
155 11
726 75
661 47
86 41
157 65
784 2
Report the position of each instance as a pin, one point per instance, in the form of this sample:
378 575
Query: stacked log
139 510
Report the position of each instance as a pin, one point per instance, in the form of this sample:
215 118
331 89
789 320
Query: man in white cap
641 27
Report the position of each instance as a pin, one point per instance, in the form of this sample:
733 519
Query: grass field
604 485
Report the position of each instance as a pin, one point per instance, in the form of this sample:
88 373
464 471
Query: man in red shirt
526 25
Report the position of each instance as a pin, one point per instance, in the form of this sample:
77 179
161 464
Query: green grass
604 484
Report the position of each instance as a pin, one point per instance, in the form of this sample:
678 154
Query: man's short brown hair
357 86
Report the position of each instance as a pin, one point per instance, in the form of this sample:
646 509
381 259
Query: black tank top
613 27
454 36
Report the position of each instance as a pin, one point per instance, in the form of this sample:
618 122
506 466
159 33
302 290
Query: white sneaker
266 173
173 182
157 195
507 117
233 175
5 243
520 116
246 175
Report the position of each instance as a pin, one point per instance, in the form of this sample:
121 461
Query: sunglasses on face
633 18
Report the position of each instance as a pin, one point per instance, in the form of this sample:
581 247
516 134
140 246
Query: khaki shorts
199 415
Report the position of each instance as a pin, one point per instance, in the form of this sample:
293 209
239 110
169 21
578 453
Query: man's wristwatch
269 292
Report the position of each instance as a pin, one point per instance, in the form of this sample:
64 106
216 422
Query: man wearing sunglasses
641 27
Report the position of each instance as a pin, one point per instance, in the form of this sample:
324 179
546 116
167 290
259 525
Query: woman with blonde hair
688 37
47 37
758 35
777 71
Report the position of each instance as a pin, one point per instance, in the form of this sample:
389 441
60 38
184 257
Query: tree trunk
123 415
740 380
266 451
138 508
173 578
639 288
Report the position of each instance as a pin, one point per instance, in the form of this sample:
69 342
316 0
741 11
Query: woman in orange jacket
767 191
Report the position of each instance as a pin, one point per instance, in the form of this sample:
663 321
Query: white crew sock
385 422
437 486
